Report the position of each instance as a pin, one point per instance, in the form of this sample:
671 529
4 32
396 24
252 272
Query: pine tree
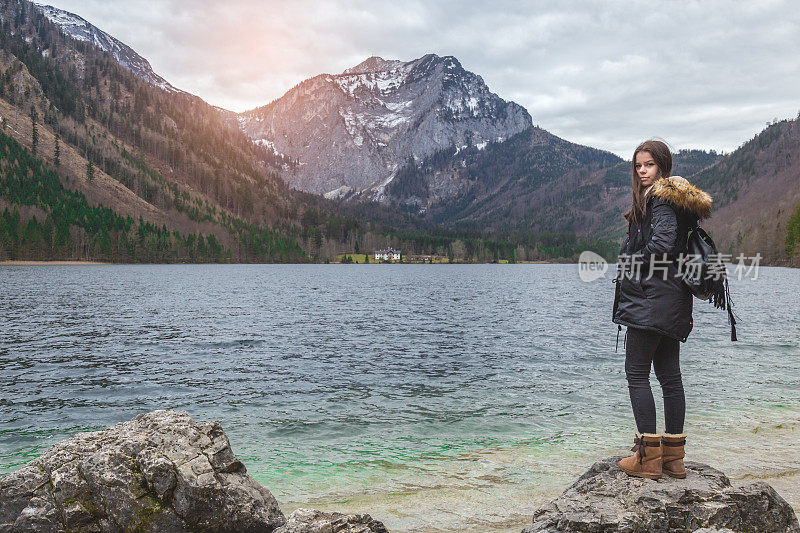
89 171
35 134
57 152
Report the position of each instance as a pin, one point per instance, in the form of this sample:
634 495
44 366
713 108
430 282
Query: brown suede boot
646 462
672 455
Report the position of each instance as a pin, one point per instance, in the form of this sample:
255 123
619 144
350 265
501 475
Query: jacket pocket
648 286
631 287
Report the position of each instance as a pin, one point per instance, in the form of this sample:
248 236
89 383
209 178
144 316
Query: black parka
659 302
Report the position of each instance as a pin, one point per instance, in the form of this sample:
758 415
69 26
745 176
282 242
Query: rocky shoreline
606 499
162 471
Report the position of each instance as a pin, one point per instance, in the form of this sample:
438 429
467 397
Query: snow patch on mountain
381 82
338 193
266 143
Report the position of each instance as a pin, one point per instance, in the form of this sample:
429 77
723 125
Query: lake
434 397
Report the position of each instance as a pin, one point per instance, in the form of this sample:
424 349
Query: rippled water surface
430 396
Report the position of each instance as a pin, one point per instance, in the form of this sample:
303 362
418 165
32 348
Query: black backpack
704 273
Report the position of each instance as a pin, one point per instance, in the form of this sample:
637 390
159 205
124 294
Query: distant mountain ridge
164 154
351 132
82 30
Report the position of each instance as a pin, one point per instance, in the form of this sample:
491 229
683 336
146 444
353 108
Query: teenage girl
655 305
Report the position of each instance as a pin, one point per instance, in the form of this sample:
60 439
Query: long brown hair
663 159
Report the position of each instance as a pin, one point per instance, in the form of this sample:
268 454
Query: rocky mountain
428 137
80 29
351 132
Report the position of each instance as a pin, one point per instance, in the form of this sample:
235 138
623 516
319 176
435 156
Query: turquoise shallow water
431 396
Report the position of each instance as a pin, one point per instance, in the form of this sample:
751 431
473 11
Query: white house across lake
389 254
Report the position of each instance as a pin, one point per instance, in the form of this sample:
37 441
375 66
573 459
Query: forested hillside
521 184
756 193
92 130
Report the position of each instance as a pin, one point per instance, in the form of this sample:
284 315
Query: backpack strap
731 319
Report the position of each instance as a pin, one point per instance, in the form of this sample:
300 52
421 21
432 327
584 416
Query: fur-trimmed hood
682 194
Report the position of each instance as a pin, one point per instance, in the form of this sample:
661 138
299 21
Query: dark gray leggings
642 348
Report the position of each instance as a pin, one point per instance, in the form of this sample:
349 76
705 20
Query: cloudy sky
698 74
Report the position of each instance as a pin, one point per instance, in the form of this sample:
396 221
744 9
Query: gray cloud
699 74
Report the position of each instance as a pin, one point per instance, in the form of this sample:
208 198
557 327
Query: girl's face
646 168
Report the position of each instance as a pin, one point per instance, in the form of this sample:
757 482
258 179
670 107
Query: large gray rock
160 471
313 521
605 499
